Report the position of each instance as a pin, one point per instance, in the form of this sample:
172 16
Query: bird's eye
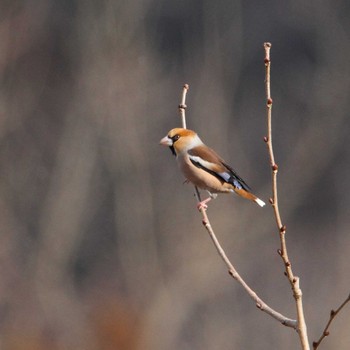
175 137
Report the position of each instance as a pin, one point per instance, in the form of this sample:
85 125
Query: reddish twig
283 252
332 316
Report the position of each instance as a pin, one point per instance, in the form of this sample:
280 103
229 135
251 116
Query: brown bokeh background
101 246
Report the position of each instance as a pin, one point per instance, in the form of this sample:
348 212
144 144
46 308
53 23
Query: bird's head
180 140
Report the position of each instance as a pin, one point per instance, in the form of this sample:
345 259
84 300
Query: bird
204 168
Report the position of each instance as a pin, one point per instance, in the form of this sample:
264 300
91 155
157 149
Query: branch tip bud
266 139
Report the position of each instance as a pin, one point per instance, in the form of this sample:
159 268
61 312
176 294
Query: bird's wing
207 159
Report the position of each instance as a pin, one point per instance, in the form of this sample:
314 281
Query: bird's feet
203 204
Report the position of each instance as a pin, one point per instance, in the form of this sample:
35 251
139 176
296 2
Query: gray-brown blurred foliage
101 246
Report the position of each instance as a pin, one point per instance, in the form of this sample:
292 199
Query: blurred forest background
101 246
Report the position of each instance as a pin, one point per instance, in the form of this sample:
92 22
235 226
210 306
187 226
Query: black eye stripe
175 137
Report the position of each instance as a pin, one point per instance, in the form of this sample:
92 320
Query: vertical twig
182 105
332 316
283 252
261 305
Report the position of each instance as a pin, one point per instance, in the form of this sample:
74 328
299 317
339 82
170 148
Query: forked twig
283 252
232 271
332 316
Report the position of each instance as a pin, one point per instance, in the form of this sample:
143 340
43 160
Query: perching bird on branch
203 167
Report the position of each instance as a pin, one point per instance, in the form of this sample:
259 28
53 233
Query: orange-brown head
181 140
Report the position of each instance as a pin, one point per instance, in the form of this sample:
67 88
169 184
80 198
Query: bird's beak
166 141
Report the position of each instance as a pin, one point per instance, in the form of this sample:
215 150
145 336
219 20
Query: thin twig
182 105
332 316
232 271
283 252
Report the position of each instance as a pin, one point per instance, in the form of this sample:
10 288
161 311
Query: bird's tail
245 194
258 201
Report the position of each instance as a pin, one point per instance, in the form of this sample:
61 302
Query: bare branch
283 252
332 316
232 271
182 105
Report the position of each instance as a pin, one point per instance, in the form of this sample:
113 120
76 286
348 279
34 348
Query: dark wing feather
236 177
208 160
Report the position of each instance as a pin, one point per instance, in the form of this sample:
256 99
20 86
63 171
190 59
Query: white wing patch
201 161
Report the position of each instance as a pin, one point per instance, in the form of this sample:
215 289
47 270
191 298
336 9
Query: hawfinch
203 167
